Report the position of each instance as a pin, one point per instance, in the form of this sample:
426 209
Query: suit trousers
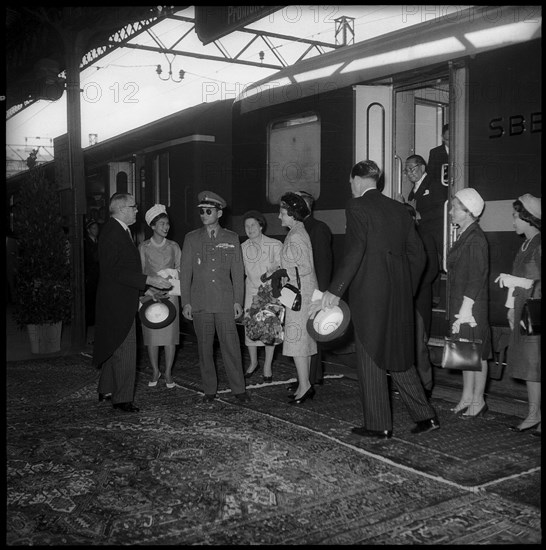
118 372
316 372
422 357
375 395
206 326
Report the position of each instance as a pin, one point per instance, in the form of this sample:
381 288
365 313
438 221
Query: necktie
411 196
212 235
130 235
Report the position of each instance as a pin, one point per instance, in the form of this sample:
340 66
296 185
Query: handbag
290 295
530 316
462 354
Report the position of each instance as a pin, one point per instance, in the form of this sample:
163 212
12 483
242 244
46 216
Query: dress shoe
428 394
309 394
209 397
292 387
171 385
268 379
378 434
424 426
460 411
249 372
537 433
243 397
126 407
481 412
518 429
105 397
153 383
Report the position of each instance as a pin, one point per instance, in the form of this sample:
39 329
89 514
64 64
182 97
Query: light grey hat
471 200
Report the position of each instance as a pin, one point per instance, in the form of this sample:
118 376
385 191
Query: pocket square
427 192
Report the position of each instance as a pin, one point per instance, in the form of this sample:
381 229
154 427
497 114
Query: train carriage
387 98
303 129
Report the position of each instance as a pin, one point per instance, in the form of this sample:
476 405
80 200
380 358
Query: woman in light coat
297 252
261 254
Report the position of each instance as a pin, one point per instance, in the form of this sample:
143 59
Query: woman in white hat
159 254
468 276
525 282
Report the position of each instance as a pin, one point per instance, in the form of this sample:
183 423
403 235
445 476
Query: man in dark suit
212 292
120 282
438 156
381 266
427 197
321 242
423 314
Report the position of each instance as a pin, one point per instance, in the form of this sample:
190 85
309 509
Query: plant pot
45 338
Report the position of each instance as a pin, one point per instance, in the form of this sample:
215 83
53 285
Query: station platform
185 472
506 395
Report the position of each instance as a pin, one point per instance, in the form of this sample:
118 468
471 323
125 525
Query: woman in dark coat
468 275
522 283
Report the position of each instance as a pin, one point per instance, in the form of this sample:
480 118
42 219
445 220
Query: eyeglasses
131 206
207 211
410 169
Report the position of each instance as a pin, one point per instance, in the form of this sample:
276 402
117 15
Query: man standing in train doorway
381 267
427 196
212 292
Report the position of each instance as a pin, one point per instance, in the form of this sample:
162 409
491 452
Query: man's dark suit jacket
437 157
120 282
383 261
429 201
321 243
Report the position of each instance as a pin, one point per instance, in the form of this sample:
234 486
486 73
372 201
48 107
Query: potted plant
43 294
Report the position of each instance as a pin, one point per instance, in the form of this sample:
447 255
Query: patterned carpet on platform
266 472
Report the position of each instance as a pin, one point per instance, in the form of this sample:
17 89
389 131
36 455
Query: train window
293 156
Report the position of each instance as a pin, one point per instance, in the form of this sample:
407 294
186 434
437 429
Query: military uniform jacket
211 271
120 282
382 264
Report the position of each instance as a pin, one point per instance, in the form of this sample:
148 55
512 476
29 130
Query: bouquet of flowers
263 319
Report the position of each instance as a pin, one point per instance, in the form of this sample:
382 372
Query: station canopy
38 37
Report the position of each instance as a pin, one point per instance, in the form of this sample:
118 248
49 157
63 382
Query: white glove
169 273
510 298
464 316
510 281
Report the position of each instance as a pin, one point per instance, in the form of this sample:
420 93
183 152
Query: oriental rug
184 472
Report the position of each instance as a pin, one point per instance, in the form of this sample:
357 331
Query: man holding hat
383 261
120 282
212 292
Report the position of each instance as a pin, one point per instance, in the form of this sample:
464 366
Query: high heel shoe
309 394
460 411
518 429
153 383
481 412
249 373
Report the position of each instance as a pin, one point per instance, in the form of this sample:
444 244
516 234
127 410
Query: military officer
212 293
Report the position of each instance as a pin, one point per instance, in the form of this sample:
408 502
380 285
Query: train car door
374 129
